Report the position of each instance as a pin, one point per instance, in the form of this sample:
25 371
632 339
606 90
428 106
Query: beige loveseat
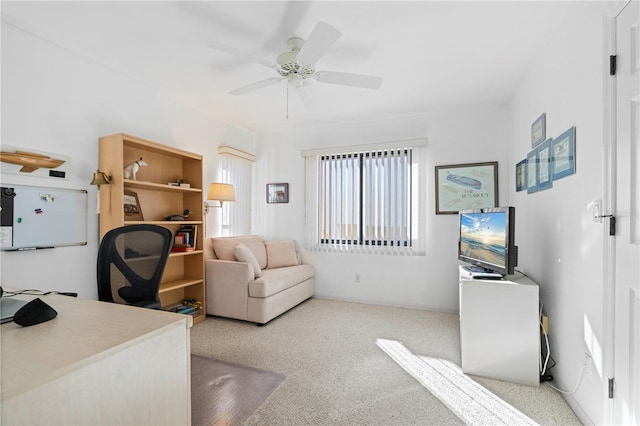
251 279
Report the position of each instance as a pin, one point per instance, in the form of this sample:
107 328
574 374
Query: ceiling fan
297 64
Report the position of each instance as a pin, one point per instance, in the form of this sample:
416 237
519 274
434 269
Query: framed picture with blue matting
544 165
563 150
532 171
521 175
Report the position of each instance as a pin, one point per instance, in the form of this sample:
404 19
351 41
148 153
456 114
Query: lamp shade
221 192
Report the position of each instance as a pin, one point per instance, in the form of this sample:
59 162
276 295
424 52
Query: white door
626 398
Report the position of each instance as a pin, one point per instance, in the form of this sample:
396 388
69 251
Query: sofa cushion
276 280
281 253
244 254
223 247
256 245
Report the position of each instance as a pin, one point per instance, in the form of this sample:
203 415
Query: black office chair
131 260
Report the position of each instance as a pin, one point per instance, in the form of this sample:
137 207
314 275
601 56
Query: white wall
55 101
461 135
560 246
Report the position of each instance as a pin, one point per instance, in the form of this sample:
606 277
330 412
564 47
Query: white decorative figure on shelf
132 169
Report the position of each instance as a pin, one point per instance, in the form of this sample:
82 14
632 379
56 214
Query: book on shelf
187 307
188 233
181 248
185 238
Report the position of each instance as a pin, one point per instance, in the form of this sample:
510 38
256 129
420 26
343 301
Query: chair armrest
227 287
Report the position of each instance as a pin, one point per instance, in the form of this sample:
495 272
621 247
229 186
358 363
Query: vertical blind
236 216
361 201
365 198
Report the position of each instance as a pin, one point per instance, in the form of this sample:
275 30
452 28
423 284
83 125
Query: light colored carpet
336 374
223 393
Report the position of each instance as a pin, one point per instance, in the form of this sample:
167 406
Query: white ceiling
429 53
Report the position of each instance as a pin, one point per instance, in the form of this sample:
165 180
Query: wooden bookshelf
183 277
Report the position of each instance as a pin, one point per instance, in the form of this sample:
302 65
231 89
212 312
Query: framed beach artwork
544 165
466 186
563 151
532 172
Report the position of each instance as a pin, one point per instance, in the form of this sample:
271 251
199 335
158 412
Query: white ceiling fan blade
347 79
255 86
319 41
243 55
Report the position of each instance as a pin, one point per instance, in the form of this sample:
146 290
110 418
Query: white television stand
500 327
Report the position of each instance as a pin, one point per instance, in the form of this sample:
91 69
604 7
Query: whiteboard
39 217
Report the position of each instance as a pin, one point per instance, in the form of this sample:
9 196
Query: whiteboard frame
45 217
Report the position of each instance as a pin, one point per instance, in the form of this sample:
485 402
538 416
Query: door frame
609 185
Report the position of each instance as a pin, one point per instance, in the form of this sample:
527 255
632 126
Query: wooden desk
97 363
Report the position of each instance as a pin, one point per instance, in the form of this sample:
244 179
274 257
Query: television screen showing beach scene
483 236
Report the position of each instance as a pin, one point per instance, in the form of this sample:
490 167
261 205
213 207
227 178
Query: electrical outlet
588 369
357 278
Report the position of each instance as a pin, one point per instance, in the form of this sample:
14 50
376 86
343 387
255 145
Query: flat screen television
487 239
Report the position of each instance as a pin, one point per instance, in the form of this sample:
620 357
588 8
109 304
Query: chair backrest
131 261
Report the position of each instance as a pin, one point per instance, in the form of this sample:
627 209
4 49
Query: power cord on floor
544 376
543 367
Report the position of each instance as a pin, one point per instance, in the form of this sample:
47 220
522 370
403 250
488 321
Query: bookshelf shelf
159 187
178 284
184 253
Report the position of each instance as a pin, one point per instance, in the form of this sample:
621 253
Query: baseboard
578 410
392 305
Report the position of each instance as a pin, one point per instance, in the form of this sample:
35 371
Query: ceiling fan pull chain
287 100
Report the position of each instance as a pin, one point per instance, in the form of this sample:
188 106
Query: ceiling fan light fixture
296 80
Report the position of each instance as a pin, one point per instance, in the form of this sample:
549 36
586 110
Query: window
236 169
364 200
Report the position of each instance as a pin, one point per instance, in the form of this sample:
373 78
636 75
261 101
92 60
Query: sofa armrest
227 287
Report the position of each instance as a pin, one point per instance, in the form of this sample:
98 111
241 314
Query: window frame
416 204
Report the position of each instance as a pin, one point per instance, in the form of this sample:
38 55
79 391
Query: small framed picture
544 165
466 186
563 151
521 175
132 210
277 193
532 172
539 130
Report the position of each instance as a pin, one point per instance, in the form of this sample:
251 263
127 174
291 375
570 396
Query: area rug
223 393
